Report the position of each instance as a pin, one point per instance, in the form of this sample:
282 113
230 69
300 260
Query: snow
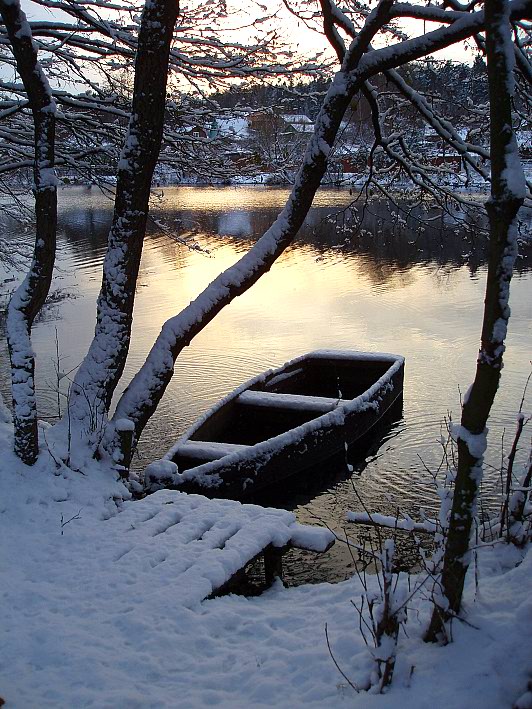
500 328
296 118
406 523
124 425
298 122
317 404
513 174
192 543
302 536
475 442
234 127
81 627
209 450
47 178
160 473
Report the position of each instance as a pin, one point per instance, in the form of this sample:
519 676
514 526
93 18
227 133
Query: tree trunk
102 368
31 294
507 195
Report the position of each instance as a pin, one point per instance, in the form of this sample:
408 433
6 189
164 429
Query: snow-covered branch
141 397
405 524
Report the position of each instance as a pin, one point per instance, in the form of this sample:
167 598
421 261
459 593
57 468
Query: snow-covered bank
76 633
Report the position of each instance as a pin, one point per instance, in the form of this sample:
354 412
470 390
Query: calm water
417 295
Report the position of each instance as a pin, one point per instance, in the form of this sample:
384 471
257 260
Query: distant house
354 160
232 135
195 131
438 152
236 128
298 122
280 122
264 122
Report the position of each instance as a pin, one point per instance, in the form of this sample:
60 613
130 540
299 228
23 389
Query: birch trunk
507 195
102 368
31 294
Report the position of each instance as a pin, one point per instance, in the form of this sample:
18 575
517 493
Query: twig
349 682
64 523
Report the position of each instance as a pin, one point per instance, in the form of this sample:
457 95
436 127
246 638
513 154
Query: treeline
298 97
454 86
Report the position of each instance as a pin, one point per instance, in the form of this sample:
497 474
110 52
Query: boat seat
207 450
291 402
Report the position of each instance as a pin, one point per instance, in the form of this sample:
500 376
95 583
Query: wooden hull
286 421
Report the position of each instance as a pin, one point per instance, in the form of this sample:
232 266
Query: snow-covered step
198 545
293 402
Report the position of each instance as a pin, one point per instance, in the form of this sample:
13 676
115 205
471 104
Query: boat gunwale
206 475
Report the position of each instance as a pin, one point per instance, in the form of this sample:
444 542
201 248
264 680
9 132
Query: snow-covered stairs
199 544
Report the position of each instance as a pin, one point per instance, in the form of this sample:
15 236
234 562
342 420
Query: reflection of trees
86 229
389 246
401 240
385 274
235 223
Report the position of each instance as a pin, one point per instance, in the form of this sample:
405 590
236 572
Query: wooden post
125 429
273 563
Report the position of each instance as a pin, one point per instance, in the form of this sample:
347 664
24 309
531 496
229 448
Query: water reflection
386 288
244 213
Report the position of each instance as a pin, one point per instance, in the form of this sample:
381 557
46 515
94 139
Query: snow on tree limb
142 395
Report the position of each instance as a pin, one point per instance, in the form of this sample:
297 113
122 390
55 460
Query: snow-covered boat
280 423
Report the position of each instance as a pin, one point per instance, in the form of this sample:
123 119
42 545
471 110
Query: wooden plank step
291 402
304 536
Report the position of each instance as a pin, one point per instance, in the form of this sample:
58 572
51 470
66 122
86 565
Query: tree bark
507 195
31 294
102 368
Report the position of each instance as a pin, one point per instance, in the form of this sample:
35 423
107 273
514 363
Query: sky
293 31
309 41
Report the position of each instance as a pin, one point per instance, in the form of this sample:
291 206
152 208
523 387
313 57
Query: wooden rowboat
280 423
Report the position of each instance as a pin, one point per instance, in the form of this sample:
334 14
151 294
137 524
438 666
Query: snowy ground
74 633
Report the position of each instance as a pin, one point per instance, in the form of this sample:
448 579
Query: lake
391 288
